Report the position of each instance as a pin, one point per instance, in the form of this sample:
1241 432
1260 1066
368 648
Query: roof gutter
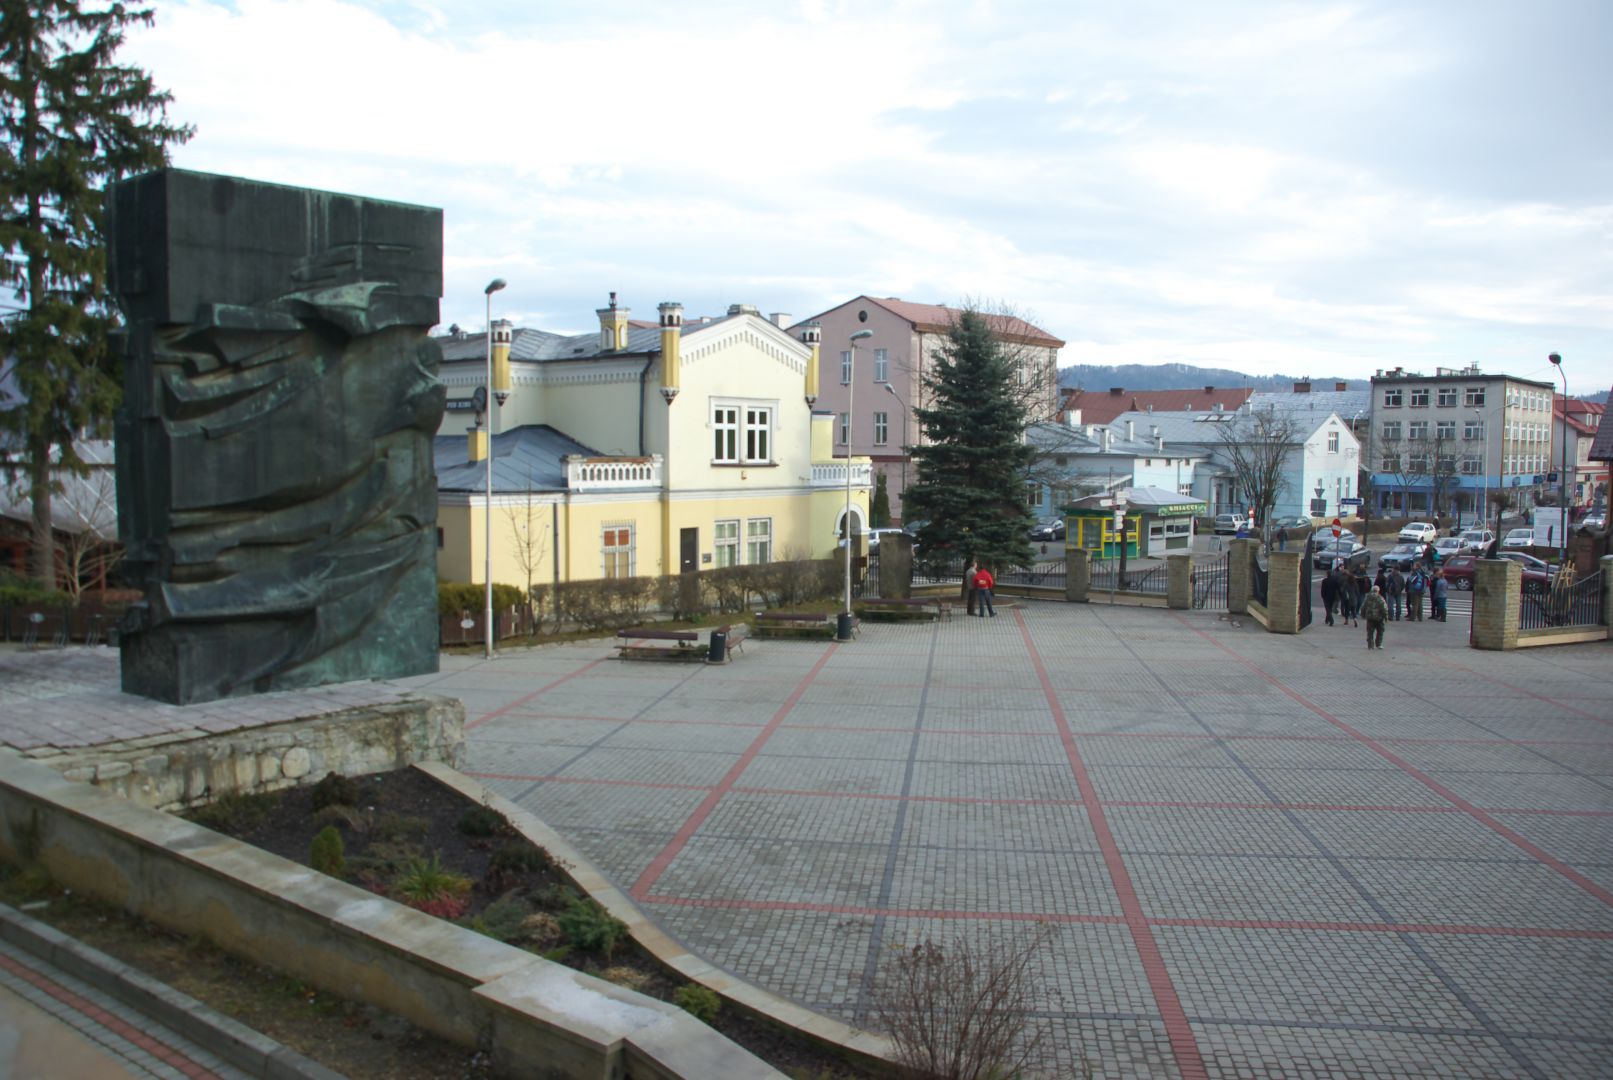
643 377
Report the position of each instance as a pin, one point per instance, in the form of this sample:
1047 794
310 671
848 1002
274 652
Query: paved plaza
1257 855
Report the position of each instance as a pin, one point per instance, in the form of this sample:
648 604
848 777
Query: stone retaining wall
168 772
536 1018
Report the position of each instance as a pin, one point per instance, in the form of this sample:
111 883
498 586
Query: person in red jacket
983 585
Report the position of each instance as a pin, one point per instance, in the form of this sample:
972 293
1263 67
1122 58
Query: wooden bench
682 644
897 608
796 624
736 633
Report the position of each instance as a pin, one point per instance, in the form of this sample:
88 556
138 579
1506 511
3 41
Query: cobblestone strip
1487 1023
652 873
876 938
93 1014
1184 1045
1444 662
518 702
1417 774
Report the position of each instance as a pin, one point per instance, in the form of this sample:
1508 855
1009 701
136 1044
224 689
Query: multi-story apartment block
1441 442
889 367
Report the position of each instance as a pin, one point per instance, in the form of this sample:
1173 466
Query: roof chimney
612 327
1103 439
1302 388
1150 406
780 319
1209 389
812 338
1131 430
1160 439
1341 386
477 444
1073 418
1117 390
671 347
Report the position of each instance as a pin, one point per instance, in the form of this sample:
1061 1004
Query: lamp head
494 286
889 389
861 334
1554 358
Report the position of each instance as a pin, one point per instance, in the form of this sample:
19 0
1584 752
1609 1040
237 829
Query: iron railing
1150 579
1048 575
1259 580
1210 582
1565 602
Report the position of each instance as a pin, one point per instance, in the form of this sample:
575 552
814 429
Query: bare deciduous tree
1256 447
529 533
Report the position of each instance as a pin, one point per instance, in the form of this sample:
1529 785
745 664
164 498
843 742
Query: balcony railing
612 473
830 474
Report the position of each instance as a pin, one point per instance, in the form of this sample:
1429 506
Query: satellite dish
479 398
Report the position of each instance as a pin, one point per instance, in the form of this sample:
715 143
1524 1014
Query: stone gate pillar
1497 600
1179 584
1077 574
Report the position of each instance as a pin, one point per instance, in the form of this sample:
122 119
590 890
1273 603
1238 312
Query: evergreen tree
879 514
972 462
71 120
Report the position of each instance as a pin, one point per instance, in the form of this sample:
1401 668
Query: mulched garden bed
407 837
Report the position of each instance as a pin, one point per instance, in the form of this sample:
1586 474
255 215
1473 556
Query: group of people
977 586
1395 595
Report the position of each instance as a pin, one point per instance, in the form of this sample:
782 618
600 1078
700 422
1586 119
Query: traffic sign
1349 502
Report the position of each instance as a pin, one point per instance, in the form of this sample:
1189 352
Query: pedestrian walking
969 573
984 583
1349 599
1430 559
1439 590
1416 585
1363 587
1375 611
1330 593
1396 593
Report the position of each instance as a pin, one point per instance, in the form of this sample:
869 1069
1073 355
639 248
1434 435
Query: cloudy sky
1303 188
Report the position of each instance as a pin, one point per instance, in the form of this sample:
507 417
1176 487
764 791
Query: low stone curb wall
1560 635
534 1017
864 1048
250 1051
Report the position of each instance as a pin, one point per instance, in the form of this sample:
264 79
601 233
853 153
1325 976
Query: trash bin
719 648
843 626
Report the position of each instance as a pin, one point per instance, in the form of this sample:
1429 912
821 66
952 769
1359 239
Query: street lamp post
1562 476
843 625
487 626
891 390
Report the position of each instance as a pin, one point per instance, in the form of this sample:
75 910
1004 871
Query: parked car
1401 556
1227 524
1418 532
1459 571
1447 546
1292 524
1051 529
1478 540
1352 554
872 537
1519 538
1527 561
1594 521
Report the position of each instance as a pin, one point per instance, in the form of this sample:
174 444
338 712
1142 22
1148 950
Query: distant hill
1600 397
1183 377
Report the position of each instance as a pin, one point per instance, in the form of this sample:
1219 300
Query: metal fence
1564 603
1148 579
1259 580
1048 575
865 575
1210 582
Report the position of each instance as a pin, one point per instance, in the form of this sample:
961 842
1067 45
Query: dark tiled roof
524 459
1102 406
1602 448
938 319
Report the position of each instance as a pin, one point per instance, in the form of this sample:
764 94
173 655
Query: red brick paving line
658 865
1605 718
485 717
968 800
1483 818
1184 1045
161 1051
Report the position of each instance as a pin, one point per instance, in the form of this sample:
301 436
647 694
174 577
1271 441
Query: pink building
889 370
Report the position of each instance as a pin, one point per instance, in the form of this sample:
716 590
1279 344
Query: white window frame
1419 397
845 367
1447 397
614 555
882 365
882 428
725 540
758 541
843 436
1473 430
1473 396
742 431
1391 429
1392 398
725 430
1332 442
1417 431
1445 429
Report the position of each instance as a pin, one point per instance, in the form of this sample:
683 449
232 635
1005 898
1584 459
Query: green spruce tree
71 120
972 462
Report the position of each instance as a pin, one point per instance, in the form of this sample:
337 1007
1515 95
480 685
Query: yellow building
645 449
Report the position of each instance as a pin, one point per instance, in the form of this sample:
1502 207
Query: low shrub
504 919
521 857
590 927
334 789
327 852
630 977
233 811
454 597
481 821
429 886
698 1001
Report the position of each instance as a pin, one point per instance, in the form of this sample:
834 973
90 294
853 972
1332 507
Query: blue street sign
1349 502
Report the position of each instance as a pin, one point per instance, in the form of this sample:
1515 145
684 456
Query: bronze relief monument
276 497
